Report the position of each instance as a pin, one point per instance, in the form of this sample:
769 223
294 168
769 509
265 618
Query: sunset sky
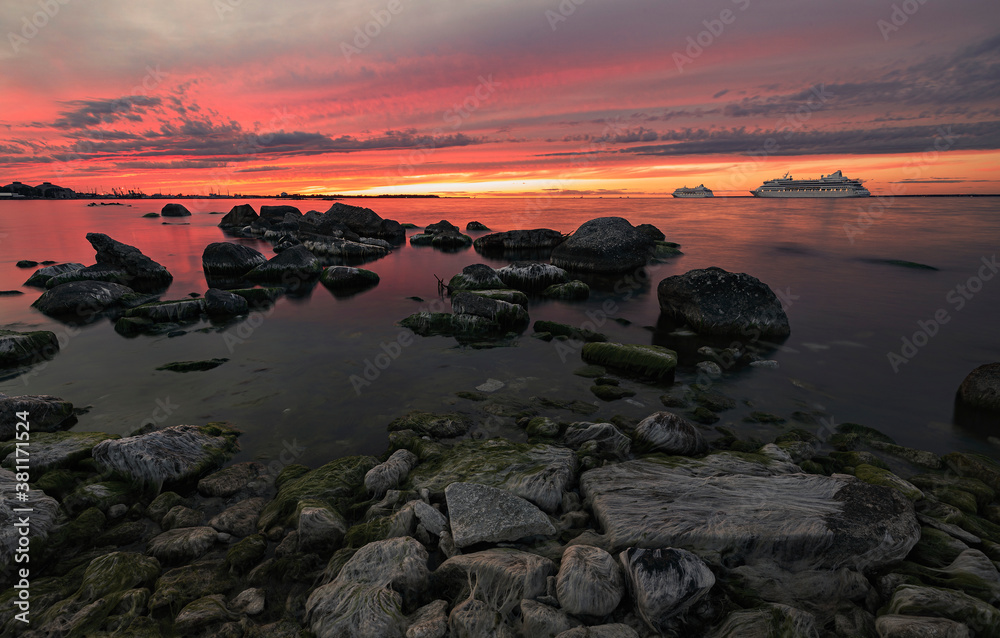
579 97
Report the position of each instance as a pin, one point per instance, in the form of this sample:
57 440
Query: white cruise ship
698 191
833 185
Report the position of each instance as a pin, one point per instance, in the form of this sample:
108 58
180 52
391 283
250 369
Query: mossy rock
920 458
865 432
564 330
193 366
335 485
244 555
975 466
666 250
955 497
60 482
177 311
50 450
124 534
542 426
969 583
573 405
439 426
17 348
703 415
79 533
714 401
763 417
885 478
856 458
101 495
510 296
651 362
610 392
428 324
574 290
133 326
258 297
290 473
590 371
162 504
983 493
178 587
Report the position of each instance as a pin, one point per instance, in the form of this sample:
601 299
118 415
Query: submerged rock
670 433
173 454
192 366
290 267
589 582
476 226
529 276
605 244
80 301
476 277
97 272
506 316
716 302
483 514
19 348
239 216
773 514
434 425
144 273
226 260
175 210
652 362
175 311
664 582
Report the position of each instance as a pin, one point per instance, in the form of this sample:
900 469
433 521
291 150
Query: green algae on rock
652 362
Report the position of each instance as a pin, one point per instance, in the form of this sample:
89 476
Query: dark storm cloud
86 113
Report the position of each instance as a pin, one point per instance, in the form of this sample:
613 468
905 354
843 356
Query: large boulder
716 302
348 278
239 216
175 210
222 304
476 277
226 260
174 454
604 245
646 361
506 316
81 301
980 390
366 223
47 413
483 514
773 513
144 273
291 267
19 348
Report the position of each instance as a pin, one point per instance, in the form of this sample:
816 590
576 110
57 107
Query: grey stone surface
479 513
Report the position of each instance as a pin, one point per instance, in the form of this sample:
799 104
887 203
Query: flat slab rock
480 513
751 511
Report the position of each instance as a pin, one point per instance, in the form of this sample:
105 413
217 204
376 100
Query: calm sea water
288 378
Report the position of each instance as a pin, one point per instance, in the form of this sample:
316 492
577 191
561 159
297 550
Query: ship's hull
693 195
812 194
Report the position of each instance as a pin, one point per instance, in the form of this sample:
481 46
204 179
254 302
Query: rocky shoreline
661 526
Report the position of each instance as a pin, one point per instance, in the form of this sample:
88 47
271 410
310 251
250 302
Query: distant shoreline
339 197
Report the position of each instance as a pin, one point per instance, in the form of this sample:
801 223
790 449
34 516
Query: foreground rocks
20 348
604 245
142 272
980 390
716 302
